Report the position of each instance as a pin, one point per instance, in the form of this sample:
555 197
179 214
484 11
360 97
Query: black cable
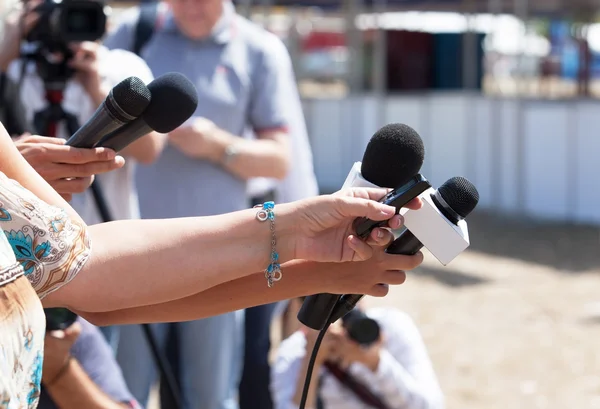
311 365
313 358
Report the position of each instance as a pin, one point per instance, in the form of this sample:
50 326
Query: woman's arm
301 278
144 262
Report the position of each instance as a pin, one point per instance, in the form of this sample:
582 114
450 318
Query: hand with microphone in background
67 169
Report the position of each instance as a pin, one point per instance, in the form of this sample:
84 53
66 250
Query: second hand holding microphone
439 226
393 158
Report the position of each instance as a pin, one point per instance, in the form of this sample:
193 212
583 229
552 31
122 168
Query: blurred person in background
241 130
80 371
392 372
98 70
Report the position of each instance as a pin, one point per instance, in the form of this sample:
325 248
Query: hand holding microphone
439 225
392 159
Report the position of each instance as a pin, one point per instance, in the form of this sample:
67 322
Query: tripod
46 122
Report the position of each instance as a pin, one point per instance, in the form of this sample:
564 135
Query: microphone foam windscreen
174 101
132 96
460 194
394 155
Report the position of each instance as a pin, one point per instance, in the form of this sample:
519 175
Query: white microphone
440 224
356 179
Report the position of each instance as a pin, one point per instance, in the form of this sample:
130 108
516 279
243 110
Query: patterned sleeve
51 247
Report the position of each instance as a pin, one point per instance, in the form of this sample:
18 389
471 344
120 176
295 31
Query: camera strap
360 390
151 18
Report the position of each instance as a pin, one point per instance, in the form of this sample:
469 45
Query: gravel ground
515 321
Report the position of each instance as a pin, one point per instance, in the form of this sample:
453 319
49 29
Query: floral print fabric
51 247
41 249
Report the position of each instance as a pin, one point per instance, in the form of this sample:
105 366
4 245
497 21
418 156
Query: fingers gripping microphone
124 103
174 100
439 226
393 158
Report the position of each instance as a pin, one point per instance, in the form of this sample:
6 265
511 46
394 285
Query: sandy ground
515 321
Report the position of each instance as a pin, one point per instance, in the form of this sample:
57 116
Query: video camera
61 23
360 328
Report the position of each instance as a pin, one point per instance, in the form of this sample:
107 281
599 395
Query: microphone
439 225
124 103
174 101
393 158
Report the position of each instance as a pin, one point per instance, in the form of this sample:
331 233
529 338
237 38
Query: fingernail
399 222
388 211
379 234
120 160
108 153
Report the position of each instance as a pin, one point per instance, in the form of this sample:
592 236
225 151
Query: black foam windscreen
393 156
132 96
174 100
460 194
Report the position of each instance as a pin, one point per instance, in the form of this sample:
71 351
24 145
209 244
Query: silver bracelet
273 270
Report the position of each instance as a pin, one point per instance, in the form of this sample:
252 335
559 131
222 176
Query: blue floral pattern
51 247
28 253
41 249
22 327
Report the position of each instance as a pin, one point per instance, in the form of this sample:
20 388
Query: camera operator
80 371
96 70
392 371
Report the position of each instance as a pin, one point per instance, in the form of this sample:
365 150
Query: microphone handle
102 123
119 139
406 244
310 313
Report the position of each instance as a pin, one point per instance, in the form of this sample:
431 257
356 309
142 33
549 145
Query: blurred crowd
246 144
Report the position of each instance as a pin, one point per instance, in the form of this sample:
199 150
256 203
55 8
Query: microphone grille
174 101
393 156
132 96
460 194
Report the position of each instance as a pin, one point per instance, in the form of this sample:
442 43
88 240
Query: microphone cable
313 358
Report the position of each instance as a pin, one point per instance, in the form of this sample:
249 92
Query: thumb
357 207
45 139
72 333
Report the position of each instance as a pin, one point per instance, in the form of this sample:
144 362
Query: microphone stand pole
46 122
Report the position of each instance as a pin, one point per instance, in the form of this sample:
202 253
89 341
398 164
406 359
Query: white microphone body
444 239
355 178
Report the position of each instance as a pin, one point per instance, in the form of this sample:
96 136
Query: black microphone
174 101
124 103
454 200
393 158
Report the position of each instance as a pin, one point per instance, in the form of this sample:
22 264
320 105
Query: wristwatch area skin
230 152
